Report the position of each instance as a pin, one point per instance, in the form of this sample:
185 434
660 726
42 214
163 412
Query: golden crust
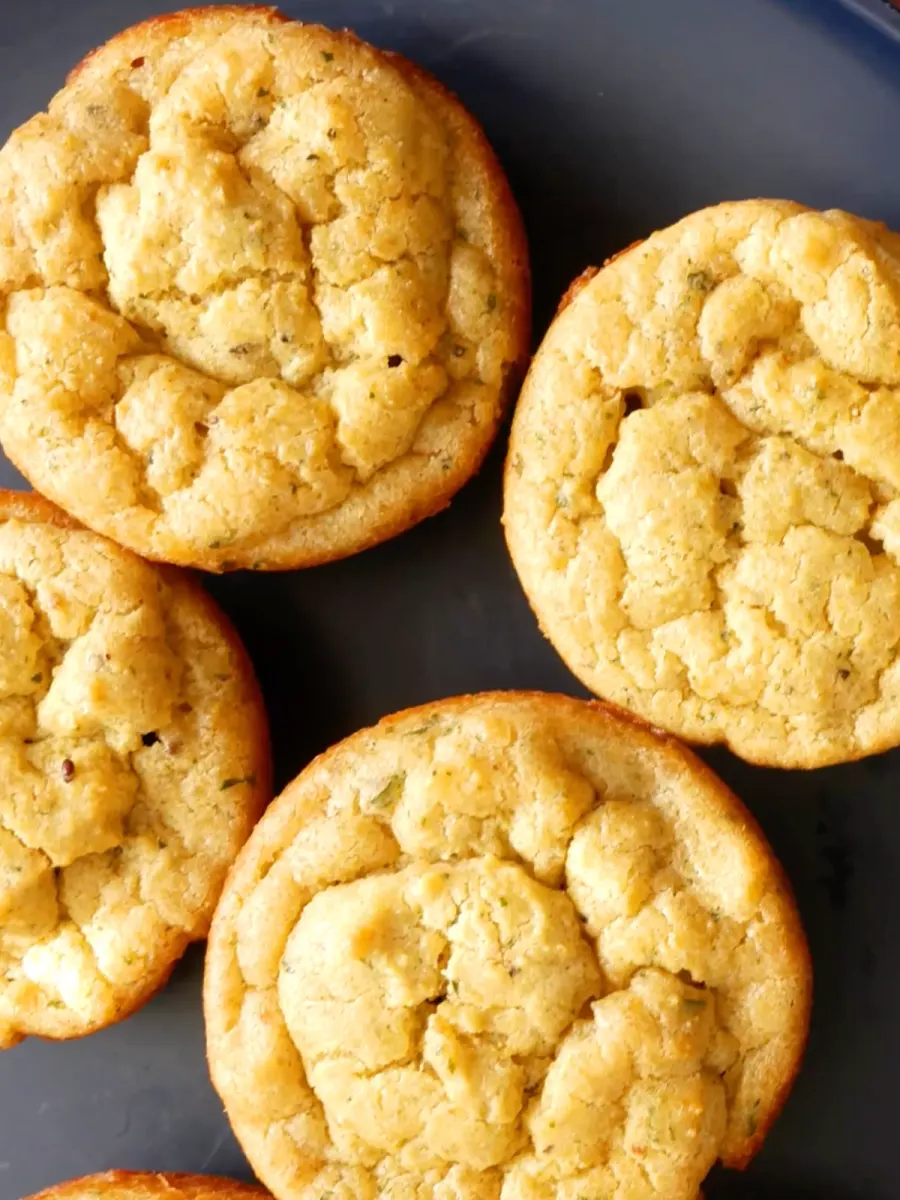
702 480
140 1185
310 361
130 41
578 284
127 704
492 801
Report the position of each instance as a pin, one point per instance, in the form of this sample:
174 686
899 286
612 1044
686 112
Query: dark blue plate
613 117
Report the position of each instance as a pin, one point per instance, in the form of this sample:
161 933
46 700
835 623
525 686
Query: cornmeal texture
510 947
703 483
136 1185
263 288
133 762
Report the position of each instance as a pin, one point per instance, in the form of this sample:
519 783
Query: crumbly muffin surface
139 1185
263 287
509 946
133 761
703 483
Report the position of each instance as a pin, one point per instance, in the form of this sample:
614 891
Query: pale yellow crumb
703 479
508 947
265 289
133 762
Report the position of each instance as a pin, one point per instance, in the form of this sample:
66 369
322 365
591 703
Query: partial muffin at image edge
146 1185
266 287
702 488
135 760
500 944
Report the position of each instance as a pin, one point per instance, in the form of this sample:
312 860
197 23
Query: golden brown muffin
138 1185
133 764
266 292
504 947
702 491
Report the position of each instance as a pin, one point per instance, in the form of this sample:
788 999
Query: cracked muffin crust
504 947
133 764
139 1185
263 285
702 494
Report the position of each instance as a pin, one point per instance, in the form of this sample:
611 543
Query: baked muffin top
510 945
133 762
703 482
138 1185
265 286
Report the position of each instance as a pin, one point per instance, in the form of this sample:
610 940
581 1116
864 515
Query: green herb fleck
390 793
491 302
327 55
700 281
428 723
250 780
37 678
693 1003
753 1119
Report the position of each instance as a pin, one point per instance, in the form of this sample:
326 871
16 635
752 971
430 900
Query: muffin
504 947
136 1185
702 493
265 292
134 762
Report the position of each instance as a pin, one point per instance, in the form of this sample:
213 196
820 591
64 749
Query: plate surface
613 117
